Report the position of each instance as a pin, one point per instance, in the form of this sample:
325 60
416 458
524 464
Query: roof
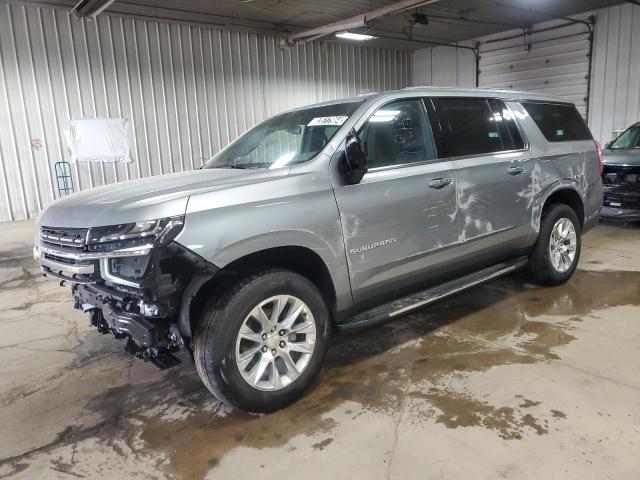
503 94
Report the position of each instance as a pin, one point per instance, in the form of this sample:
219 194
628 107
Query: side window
558 122
398 133
506 122
467 126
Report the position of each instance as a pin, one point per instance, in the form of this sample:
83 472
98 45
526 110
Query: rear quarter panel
556 166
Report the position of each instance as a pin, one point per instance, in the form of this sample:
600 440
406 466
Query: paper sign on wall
99 140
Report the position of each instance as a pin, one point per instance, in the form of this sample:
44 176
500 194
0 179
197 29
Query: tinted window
466 126
558 122
506 122
396 134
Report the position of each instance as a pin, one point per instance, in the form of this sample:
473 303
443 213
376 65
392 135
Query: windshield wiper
237 167
243 166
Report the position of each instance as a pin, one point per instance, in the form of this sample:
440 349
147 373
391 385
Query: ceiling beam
356 21
90 8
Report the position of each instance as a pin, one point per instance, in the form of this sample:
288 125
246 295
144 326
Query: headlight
128 235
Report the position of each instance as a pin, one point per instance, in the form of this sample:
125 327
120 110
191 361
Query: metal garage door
553 58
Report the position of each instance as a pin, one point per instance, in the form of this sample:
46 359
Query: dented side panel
557 166
397 230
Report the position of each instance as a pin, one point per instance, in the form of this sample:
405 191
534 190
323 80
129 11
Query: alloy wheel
275 342
562 245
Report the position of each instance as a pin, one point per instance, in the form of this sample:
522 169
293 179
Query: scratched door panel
489 200
490 163
392 222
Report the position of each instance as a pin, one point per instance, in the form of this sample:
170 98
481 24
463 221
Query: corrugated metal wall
615 87
187 89
558 66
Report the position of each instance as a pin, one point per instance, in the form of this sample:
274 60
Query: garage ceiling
449 20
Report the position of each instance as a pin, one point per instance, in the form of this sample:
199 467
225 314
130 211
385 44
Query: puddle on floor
414 357
474 331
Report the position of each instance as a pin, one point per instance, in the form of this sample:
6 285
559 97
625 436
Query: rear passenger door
482 143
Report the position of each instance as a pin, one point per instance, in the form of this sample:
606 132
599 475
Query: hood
622 157
147 198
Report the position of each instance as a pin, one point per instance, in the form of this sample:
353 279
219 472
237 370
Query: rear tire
556 253
249 350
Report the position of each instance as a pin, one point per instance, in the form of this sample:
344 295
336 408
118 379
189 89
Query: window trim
526 145
525 142
427 119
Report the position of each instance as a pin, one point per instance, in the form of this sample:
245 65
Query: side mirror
607 145
355 161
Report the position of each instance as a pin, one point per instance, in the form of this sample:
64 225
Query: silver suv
327 218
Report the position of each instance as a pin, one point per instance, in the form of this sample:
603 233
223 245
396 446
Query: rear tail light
600 157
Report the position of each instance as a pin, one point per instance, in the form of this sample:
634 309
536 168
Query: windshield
629 139
285 139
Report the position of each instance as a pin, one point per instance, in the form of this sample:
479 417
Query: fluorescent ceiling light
354 36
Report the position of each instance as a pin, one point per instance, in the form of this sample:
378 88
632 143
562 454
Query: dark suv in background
621 176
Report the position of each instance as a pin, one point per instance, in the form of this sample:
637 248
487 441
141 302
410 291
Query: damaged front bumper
621 203
148 335
139 290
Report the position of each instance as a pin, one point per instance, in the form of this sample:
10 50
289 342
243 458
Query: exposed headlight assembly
130 235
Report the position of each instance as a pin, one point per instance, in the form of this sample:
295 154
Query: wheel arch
567 195
299 259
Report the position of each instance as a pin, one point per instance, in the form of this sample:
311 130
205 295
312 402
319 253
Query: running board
425 297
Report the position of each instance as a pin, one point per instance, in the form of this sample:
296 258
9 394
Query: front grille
68 238
621 175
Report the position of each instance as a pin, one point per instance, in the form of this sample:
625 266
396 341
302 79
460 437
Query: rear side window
464 126
558 122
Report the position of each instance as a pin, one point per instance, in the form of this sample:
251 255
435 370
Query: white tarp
99 139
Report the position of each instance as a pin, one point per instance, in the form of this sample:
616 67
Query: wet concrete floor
508 380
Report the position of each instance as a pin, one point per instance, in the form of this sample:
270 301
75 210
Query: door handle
515 170
440 182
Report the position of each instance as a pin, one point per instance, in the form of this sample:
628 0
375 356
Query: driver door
401 212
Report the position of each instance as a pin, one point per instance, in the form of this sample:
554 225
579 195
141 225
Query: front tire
556 253
260 345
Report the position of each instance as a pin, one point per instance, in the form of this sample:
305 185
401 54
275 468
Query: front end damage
133 280
621 185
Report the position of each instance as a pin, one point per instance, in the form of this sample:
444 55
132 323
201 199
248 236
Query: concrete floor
508 380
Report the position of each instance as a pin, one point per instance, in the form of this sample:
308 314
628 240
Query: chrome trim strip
105 272
456 290
48 271
82 269
637 165
124 252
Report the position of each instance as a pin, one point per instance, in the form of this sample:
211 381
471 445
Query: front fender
300 211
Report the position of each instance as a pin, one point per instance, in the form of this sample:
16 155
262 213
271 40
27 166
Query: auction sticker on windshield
337 120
